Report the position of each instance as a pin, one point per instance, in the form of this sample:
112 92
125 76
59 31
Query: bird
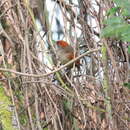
65 53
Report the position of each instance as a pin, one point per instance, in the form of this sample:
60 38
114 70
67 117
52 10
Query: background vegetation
35 94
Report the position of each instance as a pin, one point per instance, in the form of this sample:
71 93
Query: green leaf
127 85
125 33
125 5
126 38
126 12
114 20
112 11
107 32
122 3
120 31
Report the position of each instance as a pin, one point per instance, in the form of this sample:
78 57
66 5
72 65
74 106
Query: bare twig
52 72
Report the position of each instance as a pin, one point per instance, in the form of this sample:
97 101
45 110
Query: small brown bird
65 53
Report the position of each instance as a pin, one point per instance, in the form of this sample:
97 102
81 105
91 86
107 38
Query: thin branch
52 72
